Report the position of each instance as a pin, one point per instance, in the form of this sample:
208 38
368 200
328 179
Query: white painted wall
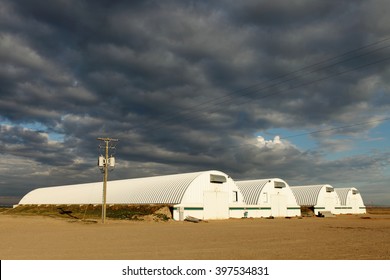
320 197
271 201
350 201
327 200
207 200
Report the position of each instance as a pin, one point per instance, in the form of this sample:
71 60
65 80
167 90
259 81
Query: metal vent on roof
219 179
329 189
279 185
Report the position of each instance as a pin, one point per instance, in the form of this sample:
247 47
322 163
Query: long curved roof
251 189
307 195
160 189
167 189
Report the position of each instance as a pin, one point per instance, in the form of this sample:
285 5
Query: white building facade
350 201
268 197
318 197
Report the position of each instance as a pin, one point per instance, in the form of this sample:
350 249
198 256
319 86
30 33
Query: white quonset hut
268 197
318 197
204 195
350 201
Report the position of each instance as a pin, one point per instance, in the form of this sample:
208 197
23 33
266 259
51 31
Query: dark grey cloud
187 85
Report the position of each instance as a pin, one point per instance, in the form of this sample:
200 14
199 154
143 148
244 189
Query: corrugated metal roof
342 193
307 195
251 190
167 189
160 189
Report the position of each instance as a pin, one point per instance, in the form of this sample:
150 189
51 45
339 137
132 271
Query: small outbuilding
319 198
350 201
268 197
203 195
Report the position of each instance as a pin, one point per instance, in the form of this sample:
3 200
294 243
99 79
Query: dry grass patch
155 212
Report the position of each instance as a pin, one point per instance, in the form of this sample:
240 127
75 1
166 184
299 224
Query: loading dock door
215 205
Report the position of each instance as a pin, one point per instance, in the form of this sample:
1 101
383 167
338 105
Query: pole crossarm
107 139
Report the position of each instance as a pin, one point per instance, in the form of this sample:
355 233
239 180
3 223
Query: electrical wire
293 87
256 89
220 148
336 128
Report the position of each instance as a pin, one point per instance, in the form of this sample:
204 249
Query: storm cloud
189 86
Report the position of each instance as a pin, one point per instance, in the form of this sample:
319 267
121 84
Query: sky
256 89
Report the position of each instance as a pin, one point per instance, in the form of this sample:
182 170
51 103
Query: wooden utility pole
107 161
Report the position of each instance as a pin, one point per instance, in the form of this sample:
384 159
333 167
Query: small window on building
355 191
235 196
279 185
265 197
219 179
329 189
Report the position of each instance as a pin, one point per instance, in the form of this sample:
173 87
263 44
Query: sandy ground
348 237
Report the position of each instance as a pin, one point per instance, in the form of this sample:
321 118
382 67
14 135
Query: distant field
378 210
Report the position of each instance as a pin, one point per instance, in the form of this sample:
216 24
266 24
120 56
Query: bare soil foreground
349 237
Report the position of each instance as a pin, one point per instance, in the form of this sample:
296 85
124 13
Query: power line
328 64
326 78
336 128
295 77
295 87
307 133
244 92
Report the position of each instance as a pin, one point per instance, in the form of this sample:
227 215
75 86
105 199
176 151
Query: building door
278 205
215 205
